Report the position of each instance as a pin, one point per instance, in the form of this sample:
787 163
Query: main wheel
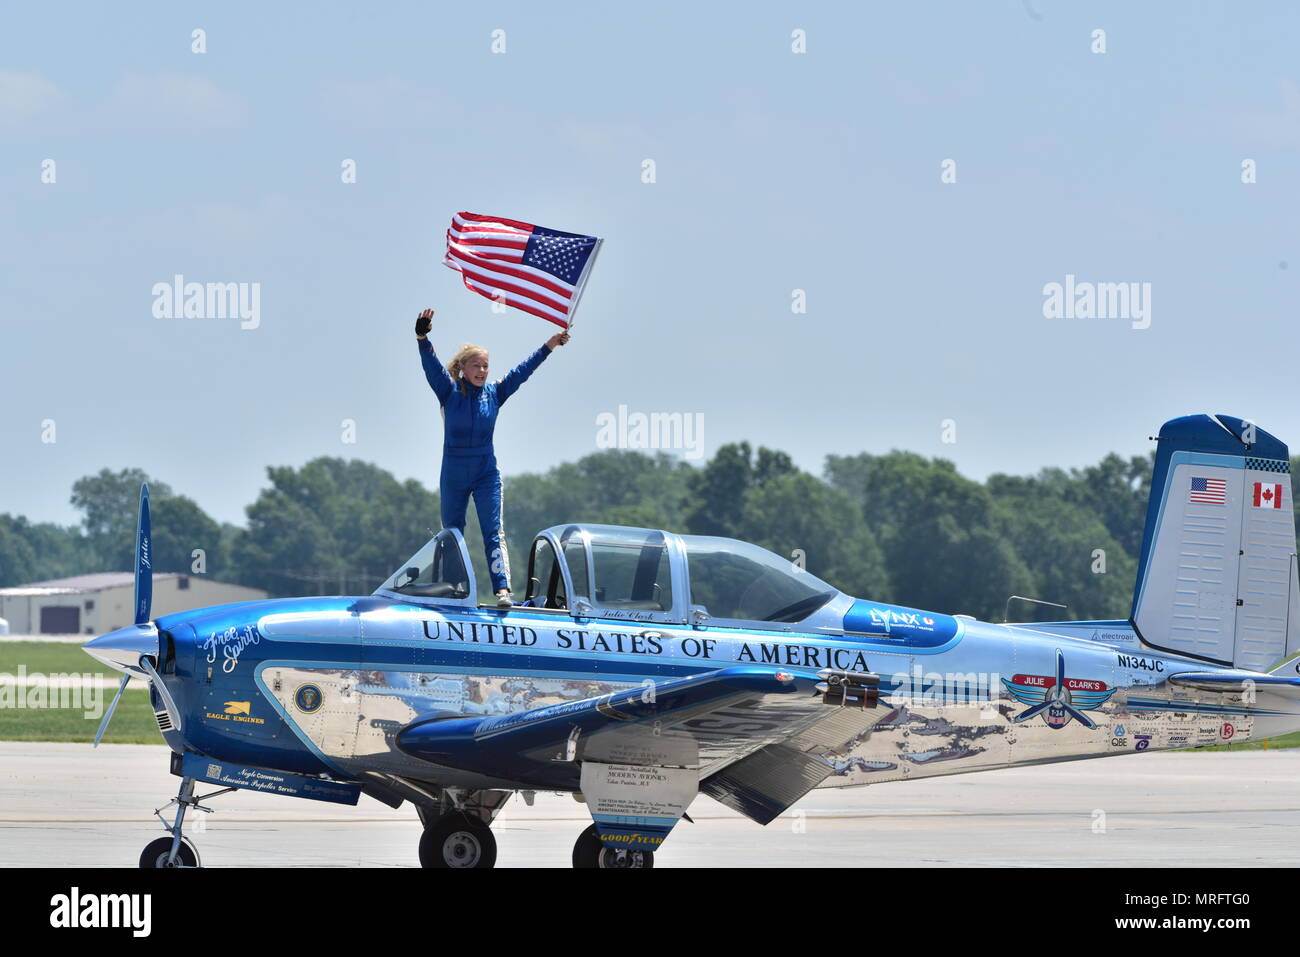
458 840
590 852
155 854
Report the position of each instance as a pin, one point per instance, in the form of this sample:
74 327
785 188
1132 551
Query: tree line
898 527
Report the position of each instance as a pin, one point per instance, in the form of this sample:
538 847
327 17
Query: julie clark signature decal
231 643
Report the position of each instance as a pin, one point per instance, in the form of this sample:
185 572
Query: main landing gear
458 839
458 829
177 850
458 834
590 852
461 837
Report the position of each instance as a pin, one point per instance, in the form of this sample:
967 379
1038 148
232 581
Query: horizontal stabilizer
1235 682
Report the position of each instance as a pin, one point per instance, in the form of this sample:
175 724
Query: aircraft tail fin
1217 576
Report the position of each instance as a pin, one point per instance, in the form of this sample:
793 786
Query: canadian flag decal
1267 495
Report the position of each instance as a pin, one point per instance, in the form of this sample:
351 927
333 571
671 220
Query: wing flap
765 783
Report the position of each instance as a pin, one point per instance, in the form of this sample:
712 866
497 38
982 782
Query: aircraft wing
755 734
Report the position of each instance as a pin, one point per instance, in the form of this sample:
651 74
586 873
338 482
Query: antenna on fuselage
1006 613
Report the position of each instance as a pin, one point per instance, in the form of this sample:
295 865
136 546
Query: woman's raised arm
439 381
520 373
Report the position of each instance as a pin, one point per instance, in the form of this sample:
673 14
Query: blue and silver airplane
646 667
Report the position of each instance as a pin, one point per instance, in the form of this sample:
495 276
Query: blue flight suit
469 464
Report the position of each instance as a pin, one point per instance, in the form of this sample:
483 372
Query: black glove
422 325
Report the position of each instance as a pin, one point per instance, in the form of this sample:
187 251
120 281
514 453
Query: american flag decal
537 270
1209 491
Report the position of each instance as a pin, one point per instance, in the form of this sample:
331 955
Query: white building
99 603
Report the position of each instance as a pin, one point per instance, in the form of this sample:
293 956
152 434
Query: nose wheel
159 854
457 840
176 850
590 852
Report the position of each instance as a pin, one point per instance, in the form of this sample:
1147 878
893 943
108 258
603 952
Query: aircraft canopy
611 571
634 574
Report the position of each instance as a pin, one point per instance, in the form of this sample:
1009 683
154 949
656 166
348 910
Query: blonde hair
463 355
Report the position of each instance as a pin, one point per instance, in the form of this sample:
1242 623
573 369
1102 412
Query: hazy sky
774 171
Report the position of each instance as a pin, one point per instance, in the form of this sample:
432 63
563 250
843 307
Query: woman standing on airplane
469 466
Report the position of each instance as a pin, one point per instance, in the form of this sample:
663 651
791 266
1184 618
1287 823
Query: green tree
332 526
1116 491
798 511
717 492
41 551
17 560
896 527
109 503
178 526
287 549
945 542
1067 548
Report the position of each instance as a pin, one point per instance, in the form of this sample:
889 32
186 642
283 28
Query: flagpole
582 281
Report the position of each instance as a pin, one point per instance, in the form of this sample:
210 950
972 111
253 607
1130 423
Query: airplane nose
121 649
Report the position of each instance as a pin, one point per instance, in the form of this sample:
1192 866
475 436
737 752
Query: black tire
588 851
457 840
155 854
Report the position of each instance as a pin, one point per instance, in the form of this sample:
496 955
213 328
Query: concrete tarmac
66 804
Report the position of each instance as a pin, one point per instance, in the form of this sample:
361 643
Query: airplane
644 668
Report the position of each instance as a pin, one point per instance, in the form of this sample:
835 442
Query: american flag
538 270
1209 491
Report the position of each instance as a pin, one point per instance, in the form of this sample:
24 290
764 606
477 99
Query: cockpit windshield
436 571
733 579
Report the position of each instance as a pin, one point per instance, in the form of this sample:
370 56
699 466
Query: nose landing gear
165 853
177 850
